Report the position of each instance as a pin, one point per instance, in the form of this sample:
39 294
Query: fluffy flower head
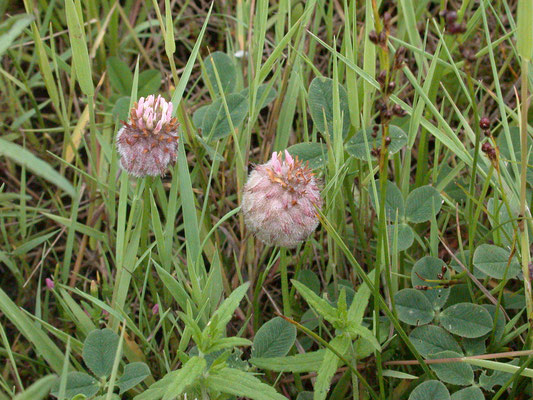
280 200
148 142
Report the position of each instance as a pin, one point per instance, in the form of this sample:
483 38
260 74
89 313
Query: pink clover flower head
49 283
280 201
148 143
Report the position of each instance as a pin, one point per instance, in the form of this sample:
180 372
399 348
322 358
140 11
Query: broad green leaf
464 257
329 365
226 70
305 396
413 307
134 374
422 204
12 28
431 339
405 234
198 116
240 383
299 363
174 287
321 306
38 390
360 302
496 378
320 99
314 153
393 201
261 91
23 157
99 350
425 270
186 376
433 390
365 333
78 383
494 260
149 82
157 390
80 55
474 347
120 75
121 109
469 393
309 279
228 306
356 146
274 339
456 373
216 124
466 320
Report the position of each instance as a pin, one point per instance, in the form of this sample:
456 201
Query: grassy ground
413 114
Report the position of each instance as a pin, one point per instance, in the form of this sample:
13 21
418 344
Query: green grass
409 233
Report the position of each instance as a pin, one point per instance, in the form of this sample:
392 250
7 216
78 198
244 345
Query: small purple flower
155 309
49 283
148 143
280 200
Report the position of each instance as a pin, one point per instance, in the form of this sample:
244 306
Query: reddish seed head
280 200
148 143
484 123
155 309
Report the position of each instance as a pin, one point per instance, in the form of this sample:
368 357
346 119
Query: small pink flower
280 200
49 283
155 309
148 143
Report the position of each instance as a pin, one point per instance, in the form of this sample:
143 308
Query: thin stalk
284 260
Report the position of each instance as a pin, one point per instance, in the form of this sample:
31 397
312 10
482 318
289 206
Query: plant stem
285 283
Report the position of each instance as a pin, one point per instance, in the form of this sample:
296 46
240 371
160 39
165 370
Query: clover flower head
147 144
280 201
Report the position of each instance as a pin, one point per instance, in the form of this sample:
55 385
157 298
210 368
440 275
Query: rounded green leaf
120 75
121 108
314 153
393 201
423 203
430 390
406 236
263 98
413 307
466 320
456 373
77 383
134 374
215 124
356 146
426 270
321 105
494 260
149 82
274 339
99 350
199 114
469 393
309 279
464 257
226 70
431 339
